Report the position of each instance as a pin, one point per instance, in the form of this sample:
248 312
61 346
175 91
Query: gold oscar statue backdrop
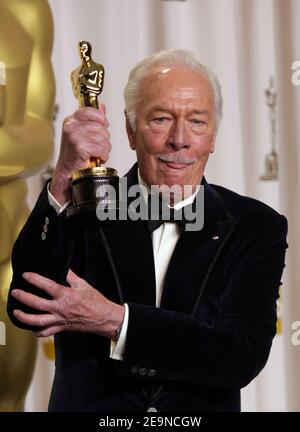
26 144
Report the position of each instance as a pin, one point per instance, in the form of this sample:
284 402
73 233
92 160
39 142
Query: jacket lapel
195 255
130 246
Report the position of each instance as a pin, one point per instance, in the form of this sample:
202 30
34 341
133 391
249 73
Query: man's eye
198 122
161 120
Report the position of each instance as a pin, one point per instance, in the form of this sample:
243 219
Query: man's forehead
165 85
182 80
174 72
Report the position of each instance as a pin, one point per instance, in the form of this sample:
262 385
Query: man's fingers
49 331
99 151
84 137
47 285
89 127
32 300
88 114
91 114
41 320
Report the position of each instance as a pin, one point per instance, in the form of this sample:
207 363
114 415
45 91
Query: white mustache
176 157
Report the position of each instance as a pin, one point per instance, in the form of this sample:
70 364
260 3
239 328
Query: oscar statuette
90 185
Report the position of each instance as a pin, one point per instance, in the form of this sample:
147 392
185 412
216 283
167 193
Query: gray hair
172 57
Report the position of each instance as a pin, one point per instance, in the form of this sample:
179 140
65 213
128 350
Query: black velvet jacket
213 332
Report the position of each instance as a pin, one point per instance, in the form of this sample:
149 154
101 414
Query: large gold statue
26 143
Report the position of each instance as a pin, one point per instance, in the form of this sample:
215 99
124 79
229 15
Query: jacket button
143 371
152 372
43 236
47 220
134 370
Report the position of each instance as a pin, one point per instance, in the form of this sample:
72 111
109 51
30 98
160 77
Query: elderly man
170 320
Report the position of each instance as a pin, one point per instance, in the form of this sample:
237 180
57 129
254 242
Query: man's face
175 126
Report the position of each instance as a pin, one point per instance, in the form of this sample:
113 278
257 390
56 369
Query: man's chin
175 177
173 189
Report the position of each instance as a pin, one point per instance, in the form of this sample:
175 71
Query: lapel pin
215 237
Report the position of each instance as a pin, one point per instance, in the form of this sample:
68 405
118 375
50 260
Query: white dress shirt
164 240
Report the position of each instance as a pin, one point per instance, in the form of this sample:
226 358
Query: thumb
102 109
72 277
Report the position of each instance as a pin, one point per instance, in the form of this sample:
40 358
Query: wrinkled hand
84 134
79 307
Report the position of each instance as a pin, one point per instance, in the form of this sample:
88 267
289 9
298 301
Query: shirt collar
146 190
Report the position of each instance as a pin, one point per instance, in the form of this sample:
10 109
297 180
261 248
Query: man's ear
213 142
130 133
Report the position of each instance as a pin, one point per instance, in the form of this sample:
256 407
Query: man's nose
178 137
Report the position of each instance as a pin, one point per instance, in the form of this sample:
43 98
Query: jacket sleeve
227 352
44 246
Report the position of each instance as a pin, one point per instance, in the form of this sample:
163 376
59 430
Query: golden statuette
87 79
87 83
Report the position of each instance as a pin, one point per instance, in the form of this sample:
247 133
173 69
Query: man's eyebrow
201 112
169 110
160 108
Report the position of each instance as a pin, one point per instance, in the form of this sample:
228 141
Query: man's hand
84 134
79 307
